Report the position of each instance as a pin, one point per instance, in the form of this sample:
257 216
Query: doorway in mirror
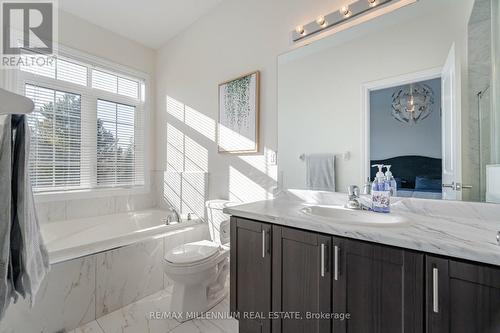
406 135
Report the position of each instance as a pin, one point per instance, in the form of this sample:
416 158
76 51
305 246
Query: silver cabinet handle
435 290
263 243
336 264
322 260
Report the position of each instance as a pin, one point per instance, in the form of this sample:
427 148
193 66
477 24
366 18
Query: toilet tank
218 222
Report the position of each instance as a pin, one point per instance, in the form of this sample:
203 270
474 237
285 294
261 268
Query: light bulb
321 21
345 11
300 30
410 107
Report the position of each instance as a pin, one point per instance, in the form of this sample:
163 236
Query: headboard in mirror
416 176
437 118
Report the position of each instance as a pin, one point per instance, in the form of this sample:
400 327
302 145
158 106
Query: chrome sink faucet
354 201
353 197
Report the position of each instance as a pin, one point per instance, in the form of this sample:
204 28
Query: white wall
238 36
320 88
390 137
79 34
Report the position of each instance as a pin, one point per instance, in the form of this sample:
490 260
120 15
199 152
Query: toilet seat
198 271
194 253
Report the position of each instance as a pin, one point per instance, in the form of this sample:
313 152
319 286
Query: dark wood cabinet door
250 278
380 287
462 297
301 280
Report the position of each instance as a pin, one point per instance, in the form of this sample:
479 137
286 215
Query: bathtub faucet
172 217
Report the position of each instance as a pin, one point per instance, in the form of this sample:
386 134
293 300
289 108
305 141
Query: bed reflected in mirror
406 136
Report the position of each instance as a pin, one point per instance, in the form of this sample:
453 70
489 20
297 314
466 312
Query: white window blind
56 138
87 127
115 143
115 84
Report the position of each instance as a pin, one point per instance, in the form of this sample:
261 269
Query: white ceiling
149 22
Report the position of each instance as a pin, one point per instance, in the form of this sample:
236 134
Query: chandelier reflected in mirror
412 103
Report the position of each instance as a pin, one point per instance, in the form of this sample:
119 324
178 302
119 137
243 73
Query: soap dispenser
392 182
381 194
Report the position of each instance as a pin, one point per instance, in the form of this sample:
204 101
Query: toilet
199 269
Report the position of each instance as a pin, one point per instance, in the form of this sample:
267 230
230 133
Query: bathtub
99 265
72 239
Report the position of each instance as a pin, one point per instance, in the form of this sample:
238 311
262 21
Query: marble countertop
461 230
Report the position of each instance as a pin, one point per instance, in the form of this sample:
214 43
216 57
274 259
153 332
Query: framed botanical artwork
238 126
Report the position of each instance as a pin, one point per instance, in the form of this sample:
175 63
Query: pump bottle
392 182
381 194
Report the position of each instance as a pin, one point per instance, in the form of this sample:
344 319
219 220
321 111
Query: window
115 143
55 145
87 127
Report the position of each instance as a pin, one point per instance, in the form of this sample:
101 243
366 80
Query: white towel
320 173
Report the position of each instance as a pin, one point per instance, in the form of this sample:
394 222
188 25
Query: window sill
90 193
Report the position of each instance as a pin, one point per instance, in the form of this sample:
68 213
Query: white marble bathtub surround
89 207
51 211
128 274
55 211
65 301
78 290
135 202
461 230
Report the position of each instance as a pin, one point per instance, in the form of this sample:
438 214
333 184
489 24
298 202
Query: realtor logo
28 31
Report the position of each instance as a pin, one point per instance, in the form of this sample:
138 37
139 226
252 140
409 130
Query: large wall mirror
417 88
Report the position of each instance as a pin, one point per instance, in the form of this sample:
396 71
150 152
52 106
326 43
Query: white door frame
366 89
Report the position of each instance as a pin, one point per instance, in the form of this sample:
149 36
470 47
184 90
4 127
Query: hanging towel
28 260
320 173
6 287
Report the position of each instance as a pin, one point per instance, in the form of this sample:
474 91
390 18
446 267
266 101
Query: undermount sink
342 214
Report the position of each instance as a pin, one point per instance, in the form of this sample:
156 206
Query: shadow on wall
192 147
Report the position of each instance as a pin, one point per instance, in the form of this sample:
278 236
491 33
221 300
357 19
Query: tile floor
134 318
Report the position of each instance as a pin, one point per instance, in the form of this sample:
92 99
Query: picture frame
238 114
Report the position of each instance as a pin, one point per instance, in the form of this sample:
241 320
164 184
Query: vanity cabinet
250 278
286 271
462 297
381 287
301 280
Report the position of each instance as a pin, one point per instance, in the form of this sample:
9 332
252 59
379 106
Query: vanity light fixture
345 13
